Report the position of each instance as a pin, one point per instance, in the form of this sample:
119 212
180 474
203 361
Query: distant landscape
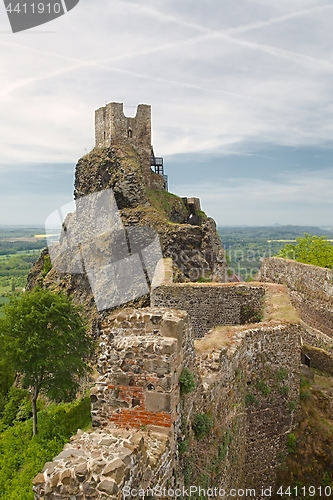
246 246
19 249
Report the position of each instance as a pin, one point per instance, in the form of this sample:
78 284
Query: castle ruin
200 388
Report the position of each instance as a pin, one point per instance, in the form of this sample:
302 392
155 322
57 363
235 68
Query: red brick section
133 417
138 415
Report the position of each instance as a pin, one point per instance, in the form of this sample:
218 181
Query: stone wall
319 358
311 290
143 355
146 436
104 463
272 395
212 304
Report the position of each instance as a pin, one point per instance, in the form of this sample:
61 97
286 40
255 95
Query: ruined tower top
113 128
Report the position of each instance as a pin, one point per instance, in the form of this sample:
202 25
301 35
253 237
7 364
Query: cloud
299 198
219 76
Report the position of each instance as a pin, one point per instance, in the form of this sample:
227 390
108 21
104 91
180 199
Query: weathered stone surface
108 486
210 304
311 290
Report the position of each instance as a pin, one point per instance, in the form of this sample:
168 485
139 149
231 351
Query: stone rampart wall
311 289
146 436
272 395
212 304
102 464
143 355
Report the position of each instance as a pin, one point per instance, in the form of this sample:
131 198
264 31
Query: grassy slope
23 456
310 458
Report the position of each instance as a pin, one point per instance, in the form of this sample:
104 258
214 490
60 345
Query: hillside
195 249
310 458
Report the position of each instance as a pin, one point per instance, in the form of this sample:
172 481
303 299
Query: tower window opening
104 135
129 133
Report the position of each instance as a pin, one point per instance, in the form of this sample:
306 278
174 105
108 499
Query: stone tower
113 128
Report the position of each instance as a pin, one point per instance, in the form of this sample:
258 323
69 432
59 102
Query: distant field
19 249
247 246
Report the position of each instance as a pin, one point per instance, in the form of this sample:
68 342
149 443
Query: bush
250 399
47 265
17 406
263 388
186 381
309 249
291 442
202 425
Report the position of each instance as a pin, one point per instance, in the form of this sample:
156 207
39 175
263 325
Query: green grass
23 456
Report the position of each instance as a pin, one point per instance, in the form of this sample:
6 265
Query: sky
241 96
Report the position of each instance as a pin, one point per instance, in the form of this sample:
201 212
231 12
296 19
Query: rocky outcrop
196 250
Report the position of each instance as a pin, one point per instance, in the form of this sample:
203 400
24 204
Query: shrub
186 381
17 406
281 374
263 388
47 265
23 456
292 406
183 446
250 399
291 442
202 425
284 390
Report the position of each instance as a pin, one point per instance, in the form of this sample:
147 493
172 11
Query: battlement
113 128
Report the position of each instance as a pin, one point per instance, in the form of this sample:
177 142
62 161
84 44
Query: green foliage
281 374
204 279
165 203
263 387
183 446
202 425
22 456
310 249
246 246
7 375
223 447
45 339
203 215
304 395
47 265
16 265
292 405
187 381
17 407
291 442
284 390
250 399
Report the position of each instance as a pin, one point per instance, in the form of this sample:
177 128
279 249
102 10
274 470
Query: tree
45 338
310 249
